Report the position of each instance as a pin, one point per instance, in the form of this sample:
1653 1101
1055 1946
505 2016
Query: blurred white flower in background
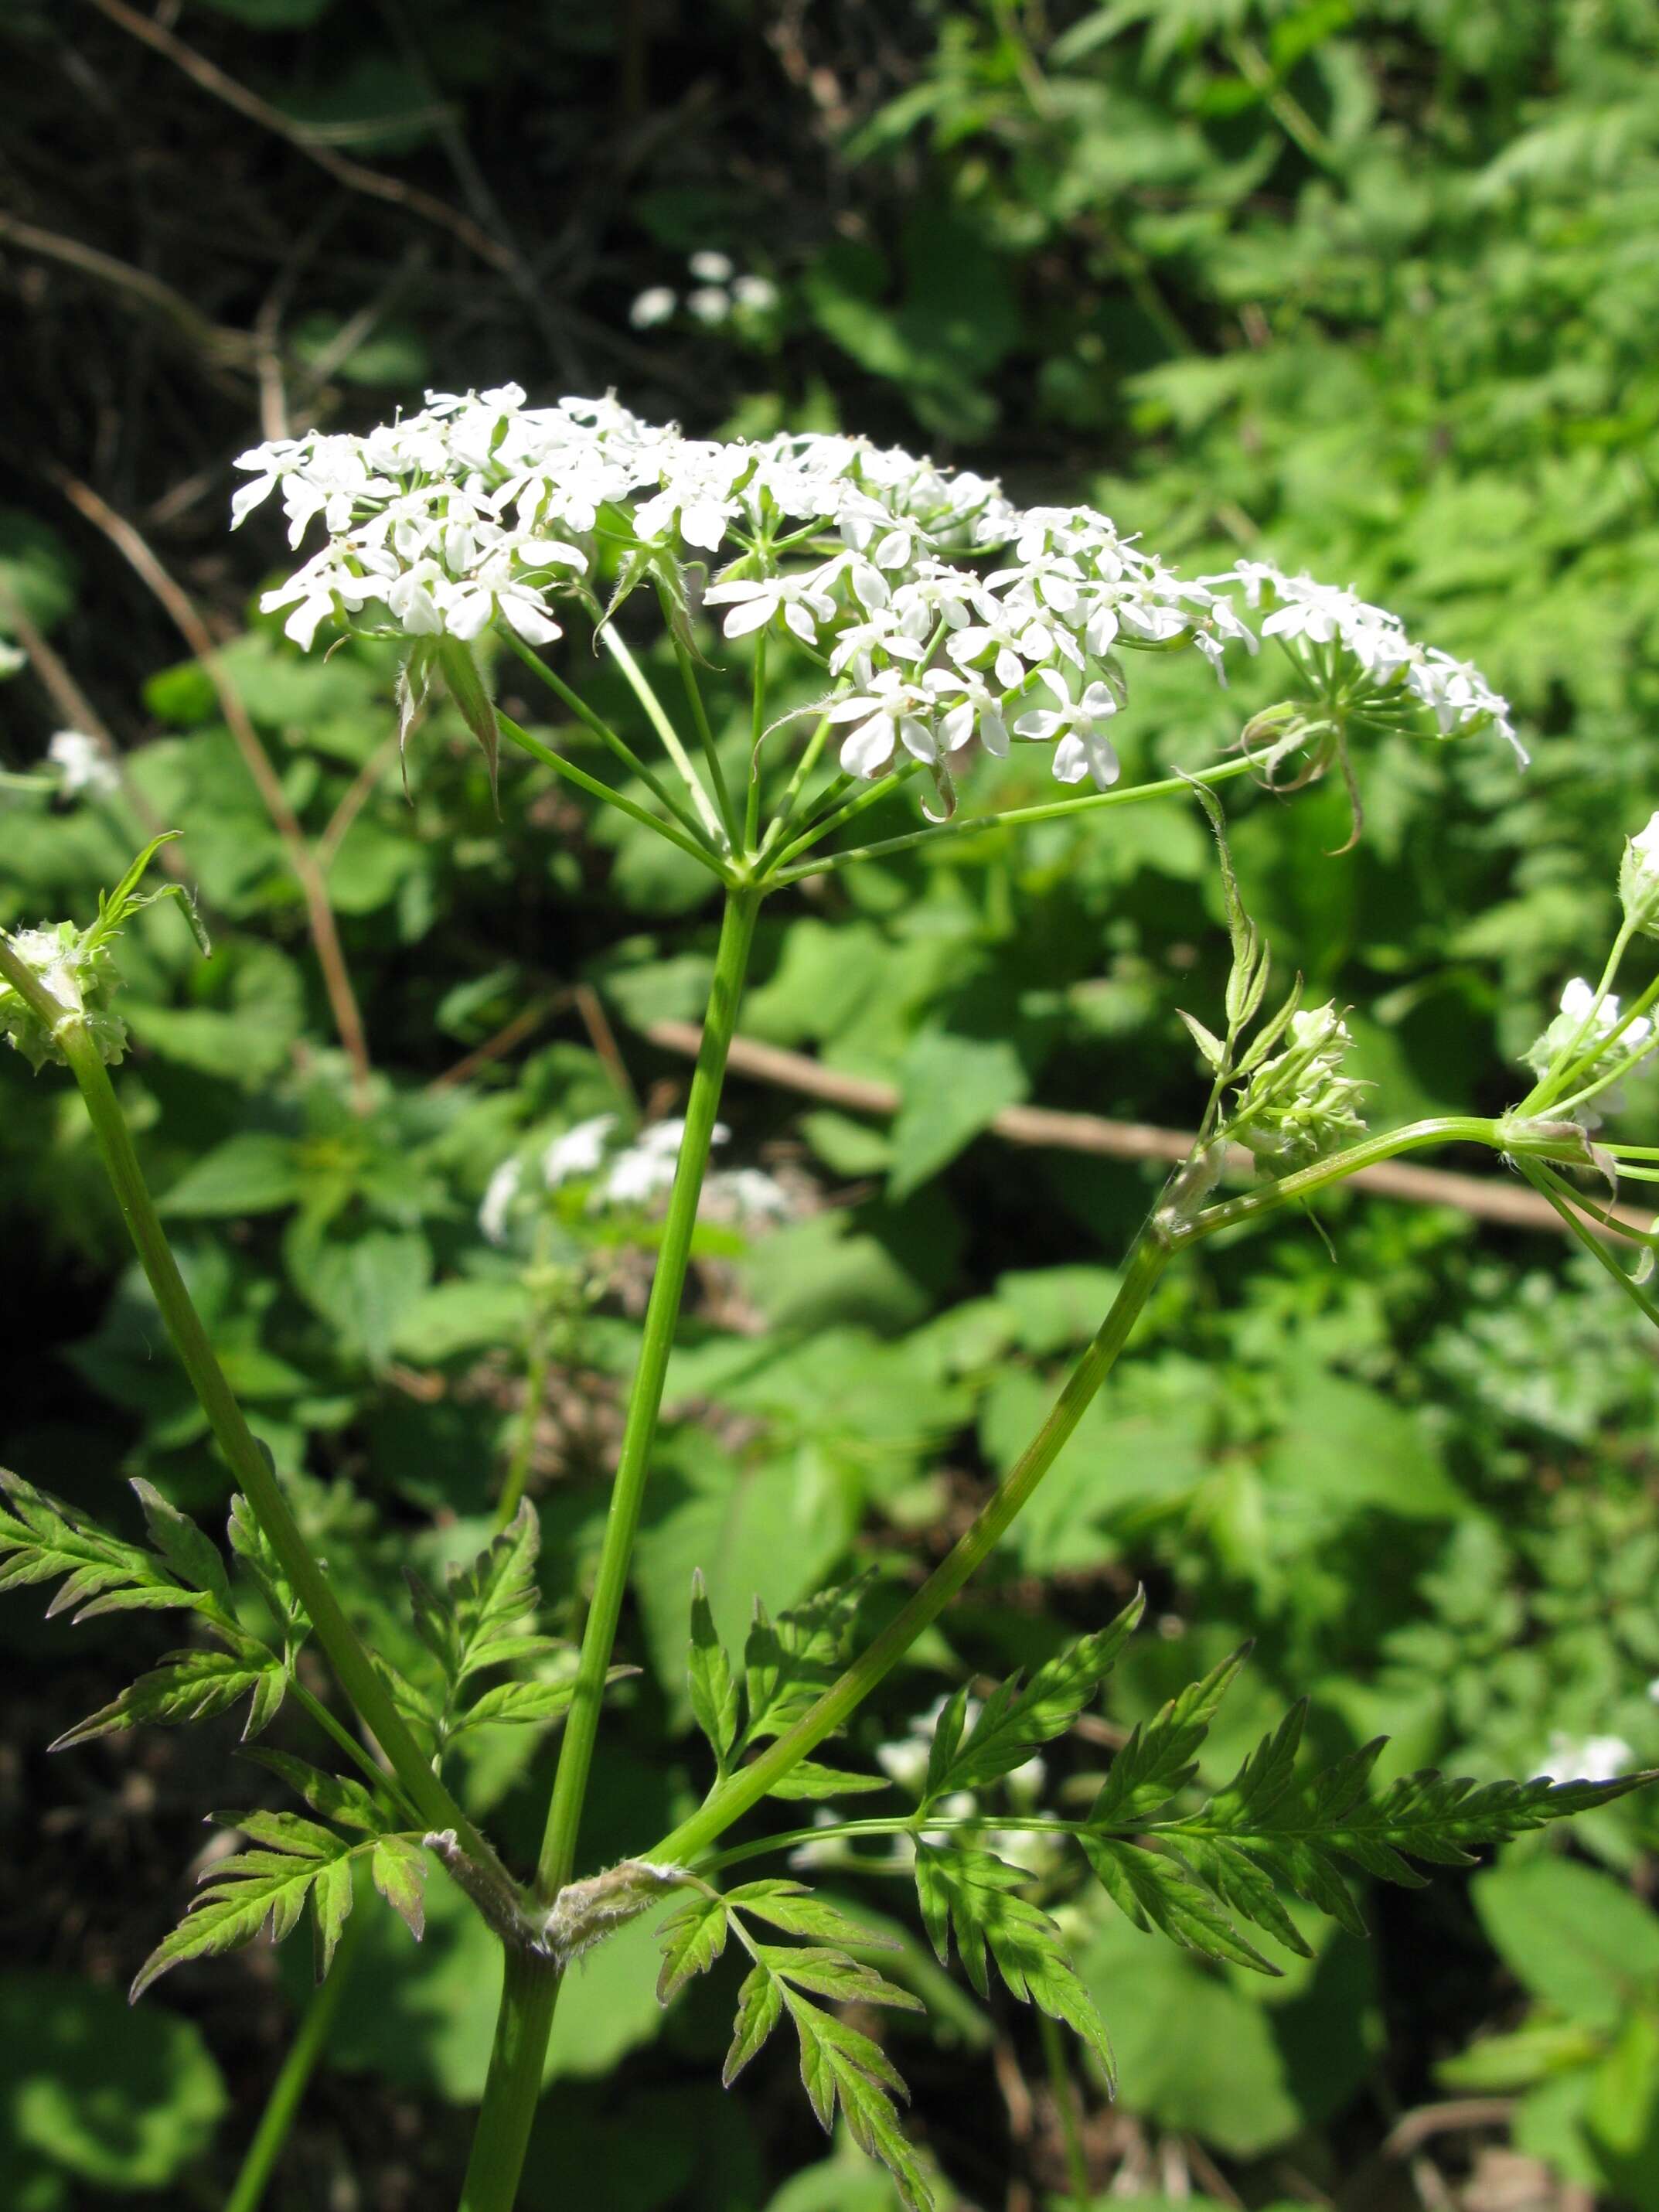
84 764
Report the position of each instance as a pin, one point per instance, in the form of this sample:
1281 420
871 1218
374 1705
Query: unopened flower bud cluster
79 977
940 612
1299 1105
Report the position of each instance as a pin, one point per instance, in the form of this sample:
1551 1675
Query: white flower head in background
82 762
1585 1758
657 304
1638 879
578 1152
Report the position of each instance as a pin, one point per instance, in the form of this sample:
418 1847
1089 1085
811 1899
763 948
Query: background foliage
1371 285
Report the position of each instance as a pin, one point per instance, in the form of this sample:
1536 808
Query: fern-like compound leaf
1016 1718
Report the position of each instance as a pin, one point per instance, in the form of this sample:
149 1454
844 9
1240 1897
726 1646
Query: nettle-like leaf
840 2066
787 1664
294 1862
1015 1719
976 1897
485 1617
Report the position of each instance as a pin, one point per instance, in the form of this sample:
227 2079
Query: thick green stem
638 1434
530 1989
289 2086
842 1700
251 1468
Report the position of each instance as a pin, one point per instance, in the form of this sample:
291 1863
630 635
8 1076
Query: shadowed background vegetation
1371 288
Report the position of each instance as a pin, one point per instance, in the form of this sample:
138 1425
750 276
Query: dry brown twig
1483 1197
355 176
313 888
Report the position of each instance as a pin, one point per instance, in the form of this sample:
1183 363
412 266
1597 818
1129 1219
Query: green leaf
188 1686
332 1899
399 1870
716 1704
794 1908
1156 1761
191 1555
42 1539
121 2102
250 1173
975 1897
1151 1892
952 1086
1573 1935
247 1893
760 2008
336 1796
363 1285
808 1779
1014 1720
693 1938
789 1663
524 1703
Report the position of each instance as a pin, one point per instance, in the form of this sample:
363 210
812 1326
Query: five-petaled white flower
1084 748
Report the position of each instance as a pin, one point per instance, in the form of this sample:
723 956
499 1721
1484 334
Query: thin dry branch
355 176
210 342
313 890
1483 1197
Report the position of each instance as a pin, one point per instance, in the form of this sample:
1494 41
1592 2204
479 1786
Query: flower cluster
1299 1105
941 613
718 291
628 1178
1363 658
1591 1028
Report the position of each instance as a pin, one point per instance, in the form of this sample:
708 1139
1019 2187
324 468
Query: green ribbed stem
531 1987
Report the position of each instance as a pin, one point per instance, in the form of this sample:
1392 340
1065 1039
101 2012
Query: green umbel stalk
531 1987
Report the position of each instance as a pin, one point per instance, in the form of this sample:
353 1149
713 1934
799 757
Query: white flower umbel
482 513
580 1151
1366 662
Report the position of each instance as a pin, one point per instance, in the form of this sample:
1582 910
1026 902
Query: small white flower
655 305
577 1153
755 293
709 267
709 304
84 763
893 711
646 1171
1083 749
802 600
499 1194
12 659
